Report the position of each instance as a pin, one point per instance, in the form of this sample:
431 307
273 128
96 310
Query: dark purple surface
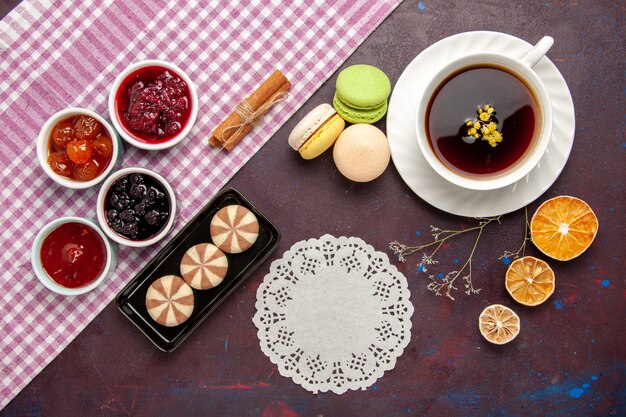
567 361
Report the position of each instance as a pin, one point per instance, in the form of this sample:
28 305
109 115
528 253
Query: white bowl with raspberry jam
78 148
153 104
72 256
136 207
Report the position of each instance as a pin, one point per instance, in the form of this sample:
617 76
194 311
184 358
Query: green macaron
361 95
354 115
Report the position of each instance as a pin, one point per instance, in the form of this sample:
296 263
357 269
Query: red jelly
73 255
153 104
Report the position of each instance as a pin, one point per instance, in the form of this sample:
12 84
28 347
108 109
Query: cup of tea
485 119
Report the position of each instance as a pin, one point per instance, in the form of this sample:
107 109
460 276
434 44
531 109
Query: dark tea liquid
455 101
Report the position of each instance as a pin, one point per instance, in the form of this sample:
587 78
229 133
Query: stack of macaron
361 151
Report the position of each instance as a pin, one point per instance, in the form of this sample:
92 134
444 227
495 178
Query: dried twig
507 255
446 284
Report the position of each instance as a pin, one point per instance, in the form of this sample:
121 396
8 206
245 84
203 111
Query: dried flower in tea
485 127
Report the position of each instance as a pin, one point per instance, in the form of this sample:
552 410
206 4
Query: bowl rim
100 212
41 274
43 140
524 167
122 130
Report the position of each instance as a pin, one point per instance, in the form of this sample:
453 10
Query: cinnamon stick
214 142
228 137
240 133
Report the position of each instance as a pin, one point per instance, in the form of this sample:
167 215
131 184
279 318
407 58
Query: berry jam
153 104
137 207
79 148
73 255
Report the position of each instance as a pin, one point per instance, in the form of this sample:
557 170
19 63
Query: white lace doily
333 314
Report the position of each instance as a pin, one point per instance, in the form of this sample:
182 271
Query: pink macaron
361 152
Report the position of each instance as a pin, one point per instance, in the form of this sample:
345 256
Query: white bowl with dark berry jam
72 256
136 207
153 104
78 148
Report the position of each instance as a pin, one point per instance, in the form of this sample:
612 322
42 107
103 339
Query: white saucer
418 174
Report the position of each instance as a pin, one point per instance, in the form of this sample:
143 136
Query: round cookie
169 301
203 266
361 153
234 229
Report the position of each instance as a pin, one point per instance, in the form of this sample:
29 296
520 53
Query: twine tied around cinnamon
248 112
249 116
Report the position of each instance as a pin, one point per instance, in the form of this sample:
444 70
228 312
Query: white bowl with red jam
136 207
72 256
78 148
153 104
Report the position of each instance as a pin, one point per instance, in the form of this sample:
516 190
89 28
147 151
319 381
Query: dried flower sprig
507 255
446 284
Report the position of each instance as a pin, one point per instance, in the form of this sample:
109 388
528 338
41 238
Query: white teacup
522 68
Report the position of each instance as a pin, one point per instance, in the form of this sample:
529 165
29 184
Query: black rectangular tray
132 299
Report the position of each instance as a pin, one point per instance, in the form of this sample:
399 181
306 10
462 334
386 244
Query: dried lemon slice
563 227
498 324
529 280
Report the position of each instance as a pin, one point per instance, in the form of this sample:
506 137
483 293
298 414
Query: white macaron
309 124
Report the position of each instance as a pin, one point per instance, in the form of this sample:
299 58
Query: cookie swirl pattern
234 229
170 301
204 266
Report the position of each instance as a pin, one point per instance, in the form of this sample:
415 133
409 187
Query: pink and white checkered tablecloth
67 53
